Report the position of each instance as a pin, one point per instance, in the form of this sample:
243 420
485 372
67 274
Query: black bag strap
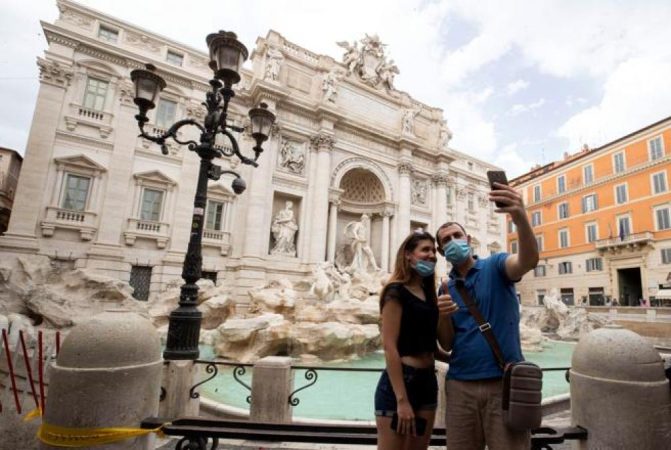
484 326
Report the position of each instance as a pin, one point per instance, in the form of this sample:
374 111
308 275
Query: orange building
602 218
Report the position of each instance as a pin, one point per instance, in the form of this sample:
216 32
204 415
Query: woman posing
407 393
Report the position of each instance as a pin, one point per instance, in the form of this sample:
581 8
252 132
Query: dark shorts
421 386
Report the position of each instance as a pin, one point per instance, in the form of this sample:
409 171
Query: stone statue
408 120
274 60
445 136
363 258
292 157
330 84
387 72
352 56
418 192
284 231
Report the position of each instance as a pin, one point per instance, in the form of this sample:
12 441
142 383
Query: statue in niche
292 157
274 60
418 192
330 84
363 259
284 231
445 136
408 121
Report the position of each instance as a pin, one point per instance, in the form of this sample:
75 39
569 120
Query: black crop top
419 321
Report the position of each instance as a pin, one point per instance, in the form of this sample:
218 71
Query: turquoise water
349 395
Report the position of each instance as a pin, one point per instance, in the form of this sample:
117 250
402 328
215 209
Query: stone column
272 381
323 142
439 214
619 391
384 246
405 169
55 79
333 225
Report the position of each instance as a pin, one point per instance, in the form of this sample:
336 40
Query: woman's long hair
403 271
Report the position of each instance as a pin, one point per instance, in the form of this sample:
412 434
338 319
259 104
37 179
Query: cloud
636 94
520 108
510 159
516 86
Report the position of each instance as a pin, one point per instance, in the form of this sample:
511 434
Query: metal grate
210 276
140 280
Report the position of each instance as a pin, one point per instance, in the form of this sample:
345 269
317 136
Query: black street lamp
226 57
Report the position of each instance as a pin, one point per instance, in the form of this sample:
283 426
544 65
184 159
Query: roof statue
369 62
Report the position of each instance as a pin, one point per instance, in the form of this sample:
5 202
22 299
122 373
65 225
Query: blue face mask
457 251
425 268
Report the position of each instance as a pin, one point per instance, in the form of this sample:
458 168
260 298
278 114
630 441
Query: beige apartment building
346 143
602 219
10 167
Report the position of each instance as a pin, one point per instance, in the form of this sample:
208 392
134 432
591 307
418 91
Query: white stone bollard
619 392
272 381
441 372
107 374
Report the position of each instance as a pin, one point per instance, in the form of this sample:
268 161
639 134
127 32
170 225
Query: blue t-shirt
494 294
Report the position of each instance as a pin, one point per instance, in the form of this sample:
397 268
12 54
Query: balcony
81 221
147 229
79 115
632 242
217 239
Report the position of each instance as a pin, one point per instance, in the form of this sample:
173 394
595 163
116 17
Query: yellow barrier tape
86 437
34 414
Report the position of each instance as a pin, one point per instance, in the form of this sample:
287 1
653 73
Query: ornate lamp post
226 57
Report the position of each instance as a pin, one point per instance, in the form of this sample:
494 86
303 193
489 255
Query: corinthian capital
440 178
54 73
322 141
405 168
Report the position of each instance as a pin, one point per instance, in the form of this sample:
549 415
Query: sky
520 82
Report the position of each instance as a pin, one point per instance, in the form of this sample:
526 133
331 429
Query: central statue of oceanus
363 259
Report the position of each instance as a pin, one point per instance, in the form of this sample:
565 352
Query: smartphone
498 176
420 424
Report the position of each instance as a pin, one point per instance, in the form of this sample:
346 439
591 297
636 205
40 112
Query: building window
588 175
589 203
666 256
94 96
659 182
618 162
663 221
537 193
76 192
566 295
539 271
108 34
655 148
540 295
563 210
210 275
511 227
535 218
565 267
594 264
591 232
215 214
140 281
165 113
174 58
624 226
152 203
621 193
563 238
561 184
471 201
539 243
513 247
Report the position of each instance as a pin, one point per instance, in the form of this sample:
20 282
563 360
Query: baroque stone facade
346 143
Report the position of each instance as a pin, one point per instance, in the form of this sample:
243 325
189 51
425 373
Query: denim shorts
421 386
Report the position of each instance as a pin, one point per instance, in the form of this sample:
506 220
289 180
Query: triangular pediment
155 176
219 190
80 162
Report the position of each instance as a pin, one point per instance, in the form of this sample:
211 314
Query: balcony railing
79 114
636 239
82 221
147 229
217 239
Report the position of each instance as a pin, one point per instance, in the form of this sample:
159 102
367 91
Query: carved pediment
80 162
154 176
219 191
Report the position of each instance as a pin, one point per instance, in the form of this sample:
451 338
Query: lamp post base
183 334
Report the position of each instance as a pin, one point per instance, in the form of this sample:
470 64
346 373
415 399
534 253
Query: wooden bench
197 430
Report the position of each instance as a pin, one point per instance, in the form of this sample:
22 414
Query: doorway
629 284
